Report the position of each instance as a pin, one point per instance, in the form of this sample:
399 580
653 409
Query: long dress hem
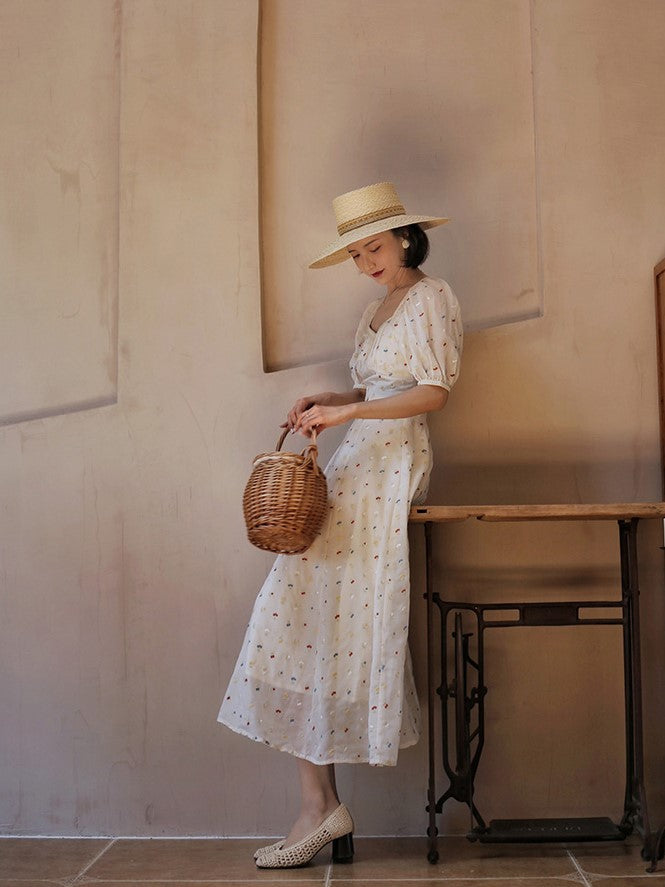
336 759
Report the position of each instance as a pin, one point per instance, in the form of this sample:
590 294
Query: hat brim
337 252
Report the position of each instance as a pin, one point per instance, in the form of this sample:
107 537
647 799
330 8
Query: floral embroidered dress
324 671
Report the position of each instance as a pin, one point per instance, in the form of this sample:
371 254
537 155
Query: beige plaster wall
59 212
126 578
450 118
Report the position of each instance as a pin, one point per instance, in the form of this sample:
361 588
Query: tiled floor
379 862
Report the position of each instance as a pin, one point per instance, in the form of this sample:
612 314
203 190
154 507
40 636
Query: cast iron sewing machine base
462 694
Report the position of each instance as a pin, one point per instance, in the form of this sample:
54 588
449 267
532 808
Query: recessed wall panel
435 95
60 84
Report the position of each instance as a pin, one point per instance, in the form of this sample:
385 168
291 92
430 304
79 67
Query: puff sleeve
434 334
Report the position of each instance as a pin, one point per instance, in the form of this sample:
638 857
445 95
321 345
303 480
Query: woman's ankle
320 807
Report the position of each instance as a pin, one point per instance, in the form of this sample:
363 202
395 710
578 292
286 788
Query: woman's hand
296 411
321 417
328 400
300 406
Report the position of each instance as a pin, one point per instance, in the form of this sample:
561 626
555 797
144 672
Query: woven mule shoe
338 828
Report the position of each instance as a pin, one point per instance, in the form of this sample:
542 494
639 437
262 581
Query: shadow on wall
545 480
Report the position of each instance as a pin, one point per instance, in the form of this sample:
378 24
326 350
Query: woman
324 672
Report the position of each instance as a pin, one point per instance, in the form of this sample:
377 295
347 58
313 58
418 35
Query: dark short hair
418 248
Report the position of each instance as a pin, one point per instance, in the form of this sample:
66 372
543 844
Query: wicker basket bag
285 499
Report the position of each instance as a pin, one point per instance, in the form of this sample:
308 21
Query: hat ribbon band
396 210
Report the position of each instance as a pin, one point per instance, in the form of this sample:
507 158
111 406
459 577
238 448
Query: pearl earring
405 243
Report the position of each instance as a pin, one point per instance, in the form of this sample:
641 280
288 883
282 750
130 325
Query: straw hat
367 211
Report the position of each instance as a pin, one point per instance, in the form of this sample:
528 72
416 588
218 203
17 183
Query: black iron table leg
635 814
433 853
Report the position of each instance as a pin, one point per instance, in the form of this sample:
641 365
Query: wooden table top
608 511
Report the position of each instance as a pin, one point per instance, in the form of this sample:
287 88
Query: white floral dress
324 671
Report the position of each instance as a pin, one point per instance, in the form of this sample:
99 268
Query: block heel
342 848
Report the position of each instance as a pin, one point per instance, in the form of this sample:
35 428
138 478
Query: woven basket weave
285 500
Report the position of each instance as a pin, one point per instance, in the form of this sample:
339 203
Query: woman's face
380 257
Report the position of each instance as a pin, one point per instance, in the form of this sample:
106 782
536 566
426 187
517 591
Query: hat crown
364 205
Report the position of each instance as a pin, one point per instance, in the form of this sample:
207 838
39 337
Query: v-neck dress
325 671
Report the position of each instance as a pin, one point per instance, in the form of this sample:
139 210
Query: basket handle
282 438
309 453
